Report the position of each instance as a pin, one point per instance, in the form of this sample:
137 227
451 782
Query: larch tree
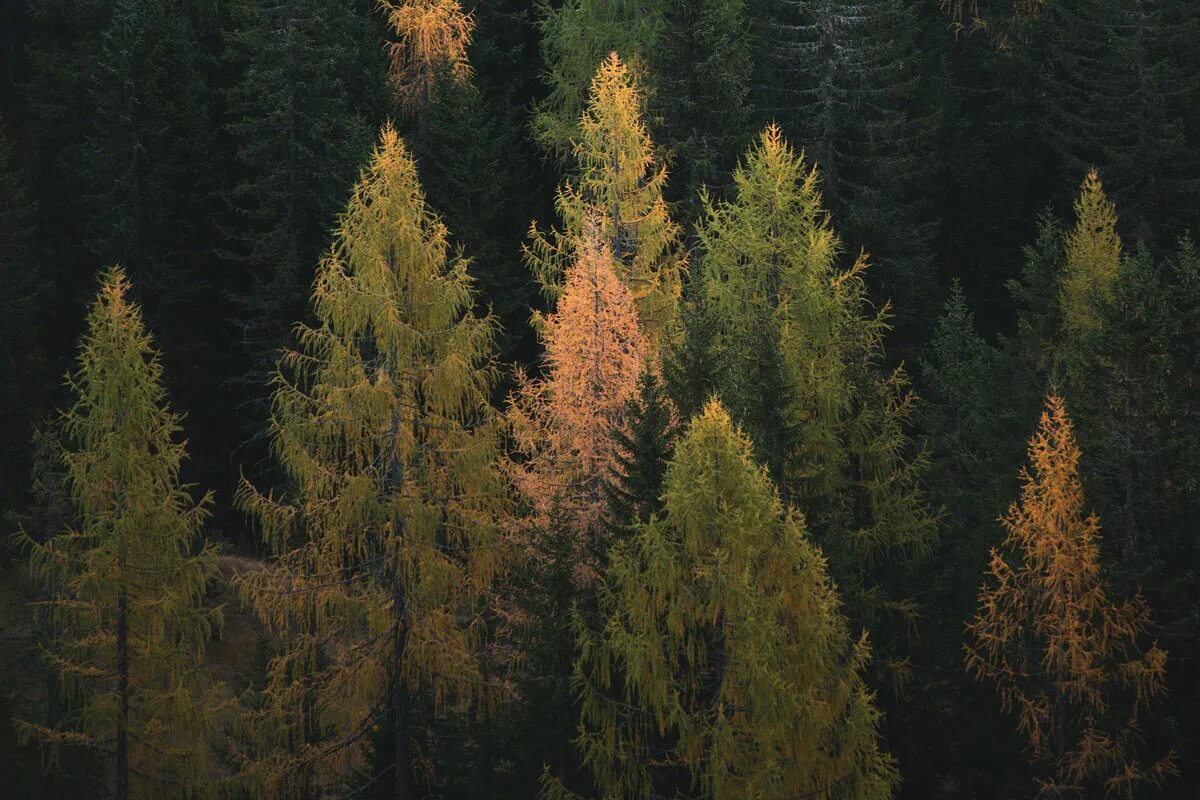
126 584
386 540
618 190
577 38
1093 256
431 36
723 666
833 427
1069 660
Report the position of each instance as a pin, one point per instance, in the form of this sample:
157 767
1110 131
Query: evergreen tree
1059 650
619 190
800 357
298 124
126 584
700 68
387 539
721 631
856 85
21 373
643 450
578 36
1120 93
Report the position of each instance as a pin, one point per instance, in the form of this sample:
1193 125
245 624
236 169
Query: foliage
1058 649
1092 258
126 584
387 539
431 36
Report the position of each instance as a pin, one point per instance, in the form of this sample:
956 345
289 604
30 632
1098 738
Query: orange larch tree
1062 653
431 35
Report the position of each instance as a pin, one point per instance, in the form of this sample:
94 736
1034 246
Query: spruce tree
298 124
833 425
618 189
643 450
577 37
724 665
126 582
386 539
1071 662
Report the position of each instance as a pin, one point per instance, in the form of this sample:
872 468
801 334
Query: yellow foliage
431 35
1093 256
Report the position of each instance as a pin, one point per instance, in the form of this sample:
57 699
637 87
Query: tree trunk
122 790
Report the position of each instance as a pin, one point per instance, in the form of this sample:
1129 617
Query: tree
564 423
432 36
643 451
700 71
577 39
786 313
724 664
299 130
1058 649
855 83
126 585
386 540
1093 255
619 190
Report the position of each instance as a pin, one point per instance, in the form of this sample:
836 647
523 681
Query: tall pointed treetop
1093 255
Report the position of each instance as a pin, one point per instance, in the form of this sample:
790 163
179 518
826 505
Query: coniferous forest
600 399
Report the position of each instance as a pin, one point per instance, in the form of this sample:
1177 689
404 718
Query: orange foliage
432 35
563 423
1060 651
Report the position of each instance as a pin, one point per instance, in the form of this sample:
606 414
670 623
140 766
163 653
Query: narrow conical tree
1093 257
564 423
770 259
386 540
1060 651
126 585
619 190
724 666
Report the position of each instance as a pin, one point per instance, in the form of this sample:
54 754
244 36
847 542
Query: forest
599 399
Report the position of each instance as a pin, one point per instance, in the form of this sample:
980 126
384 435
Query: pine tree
577 39
432 36
721 630
298 125
771 277
126 585
1093 255
700 70
1059 650
619 190
387 539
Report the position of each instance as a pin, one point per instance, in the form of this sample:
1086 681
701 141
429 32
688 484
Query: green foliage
386 539
720 627
126 584
643 450
831 420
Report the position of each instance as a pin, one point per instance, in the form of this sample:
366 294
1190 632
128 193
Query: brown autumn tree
431 35
1062 653
563 423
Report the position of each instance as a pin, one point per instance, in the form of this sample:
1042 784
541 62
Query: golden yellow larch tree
1069 660
431 35
618 189
385 539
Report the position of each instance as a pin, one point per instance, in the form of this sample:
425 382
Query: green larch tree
386 538
1072 663
1093 255
771 276
724 666
618 190
126 583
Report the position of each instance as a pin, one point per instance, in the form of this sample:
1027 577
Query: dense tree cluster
831 431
